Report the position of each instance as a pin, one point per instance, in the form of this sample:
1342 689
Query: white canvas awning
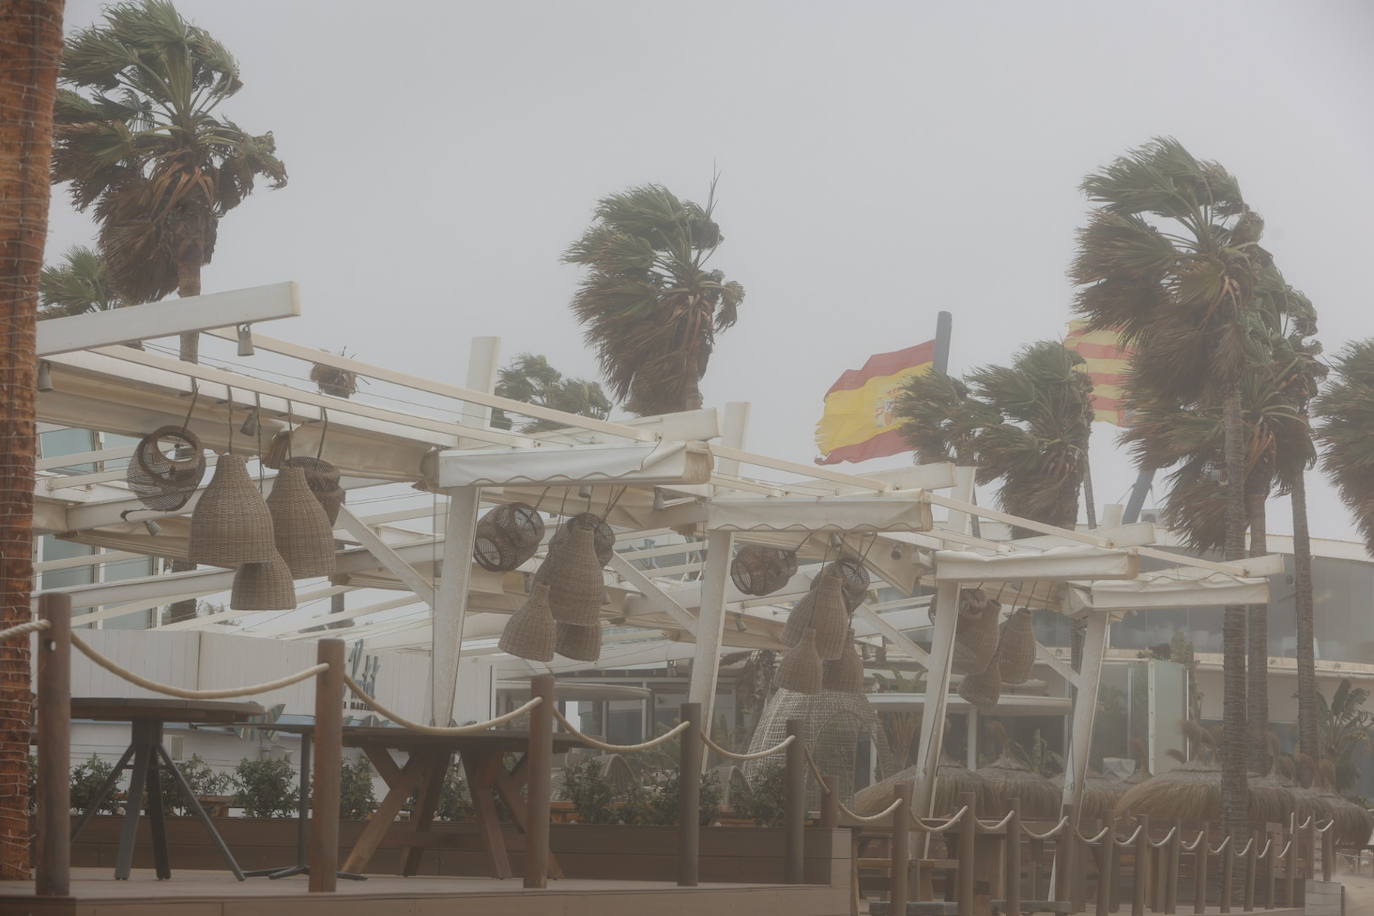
641 464
1054 563
829 514
1175 588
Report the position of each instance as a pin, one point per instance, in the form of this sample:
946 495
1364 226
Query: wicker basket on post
830 620
758 570
800 669
577 590
530 631
577 642
507 536
263 587
231 524
303 535
1016 647
167 467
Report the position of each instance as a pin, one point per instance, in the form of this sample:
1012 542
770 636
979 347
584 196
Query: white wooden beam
655 596
1066 563
895 636
1056 664
460 531
387 556
168 317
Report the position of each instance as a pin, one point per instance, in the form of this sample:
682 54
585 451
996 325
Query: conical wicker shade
577 590
855 580
983 689
846 673
799 620
304 537
580 643
975 640
1016 647
830 619
530 631
801 666
323 480
231 524
263 587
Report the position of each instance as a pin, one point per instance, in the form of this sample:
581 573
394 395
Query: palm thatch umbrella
1310 801
1190 791
1100 794
1010 778
1350 821
952 779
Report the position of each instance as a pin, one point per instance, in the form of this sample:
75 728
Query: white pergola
425 454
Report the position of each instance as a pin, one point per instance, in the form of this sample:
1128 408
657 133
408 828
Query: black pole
1144 480
944 326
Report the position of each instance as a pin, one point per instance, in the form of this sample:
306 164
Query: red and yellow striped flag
858 422
1106 362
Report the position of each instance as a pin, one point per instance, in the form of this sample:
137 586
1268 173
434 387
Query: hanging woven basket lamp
577 590
304 537
799 619
167 467
758 570
263 587
829 619
983 689
603 536
975 639
530 632
854 578
1016 647
577 642
846 673
507 536
323 480
231 524
800 669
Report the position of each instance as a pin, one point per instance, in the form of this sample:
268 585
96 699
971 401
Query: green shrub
265 788
356 796
455 801
763 803
592 797
87 778
655 800
203 781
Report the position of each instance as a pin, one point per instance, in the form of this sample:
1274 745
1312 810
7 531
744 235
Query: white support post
451 602
1085 707
937 695
710 624
483 358
732 429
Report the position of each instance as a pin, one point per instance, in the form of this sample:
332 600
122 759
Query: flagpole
944 325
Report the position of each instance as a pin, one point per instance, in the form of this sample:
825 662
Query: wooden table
143 755
428 760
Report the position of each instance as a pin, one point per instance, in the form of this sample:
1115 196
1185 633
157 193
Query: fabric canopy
646 464
825 513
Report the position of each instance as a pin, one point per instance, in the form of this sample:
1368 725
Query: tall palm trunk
1234 795
1257 661
1302 599
30 54
188 284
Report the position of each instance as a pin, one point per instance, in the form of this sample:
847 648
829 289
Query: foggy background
879 162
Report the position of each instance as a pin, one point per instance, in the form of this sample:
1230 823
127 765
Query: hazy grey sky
879 162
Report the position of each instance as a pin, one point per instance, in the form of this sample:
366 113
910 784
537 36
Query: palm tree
1345 411
648 303
139 138
30 53
1170 260
531 379
1025 425
80 284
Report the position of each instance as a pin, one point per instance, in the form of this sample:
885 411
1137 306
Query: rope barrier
1197 840
1286 848
1245 850
23 629
1222 847
1048 834
1096 839
756 755
371 702
870 818
185 694
947 825
1167 838
621 748
816 771
1268 841
1129 841
1323 829
993 828
1304 825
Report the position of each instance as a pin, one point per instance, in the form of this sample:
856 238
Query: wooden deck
200 893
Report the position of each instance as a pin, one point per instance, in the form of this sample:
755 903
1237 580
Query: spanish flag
858 422
1106 363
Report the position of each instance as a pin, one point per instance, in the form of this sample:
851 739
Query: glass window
54 548
59 442
132 568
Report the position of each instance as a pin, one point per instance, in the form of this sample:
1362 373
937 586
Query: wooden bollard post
1251 870
1064 858
794 812
1173 851
1228 873
689 810
830 806
324 820
1106 864
539 762
1142 867
968 852
899 891
52 868
1290 862
1012 845
1328 852
1203 853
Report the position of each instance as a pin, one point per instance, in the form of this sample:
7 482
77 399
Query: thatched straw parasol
952 779
1010 778
1310 801
1352 821
1190 791
1100 795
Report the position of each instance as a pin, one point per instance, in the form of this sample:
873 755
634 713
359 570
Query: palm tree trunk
188 284
30 54
1234 794
1302 599
1257 662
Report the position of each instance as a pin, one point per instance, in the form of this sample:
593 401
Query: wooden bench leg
480 769
431 785
381 820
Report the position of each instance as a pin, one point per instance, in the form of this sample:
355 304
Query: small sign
1324 898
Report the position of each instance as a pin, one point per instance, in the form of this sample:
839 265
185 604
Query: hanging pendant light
578 591
304 537
577 642
800 670
846 673
530 632
983 689
1016 647
758 570
830 619
231 524
799 620
263 587
507 536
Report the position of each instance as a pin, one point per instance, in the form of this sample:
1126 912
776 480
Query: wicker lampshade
983 689
830 620
263 587
758 570
800 669
167 466
304 537
975 640
855 580
323 480
603 535
577 642
577 589
1016 647
799 620
530 631
846 673
231 524
507 536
